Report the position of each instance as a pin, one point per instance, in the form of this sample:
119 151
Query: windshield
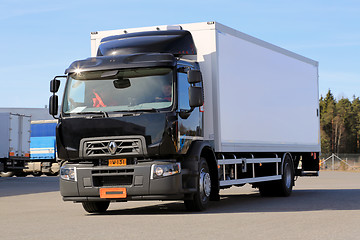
119 90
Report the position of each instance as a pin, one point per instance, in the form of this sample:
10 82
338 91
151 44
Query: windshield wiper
105 114
144 110
137 110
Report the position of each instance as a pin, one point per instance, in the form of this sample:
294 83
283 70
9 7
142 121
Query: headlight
163 170
68 173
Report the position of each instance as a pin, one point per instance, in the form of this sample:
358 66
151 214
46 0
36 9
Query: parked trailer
14 143
179 112
43 148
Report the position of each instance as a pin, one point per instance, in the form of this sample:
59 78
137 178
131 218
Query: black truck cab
128 121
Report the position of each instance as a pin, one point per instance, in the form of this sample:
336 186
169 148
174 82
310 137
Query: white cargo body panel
14 135
258 97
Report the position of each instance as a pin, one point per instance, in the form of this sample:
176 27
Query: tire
7 174
36 174
96 207
21 174
201 198
283 187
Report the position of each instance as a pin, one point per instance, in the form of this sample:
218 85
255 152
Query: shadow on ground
300 200
27 185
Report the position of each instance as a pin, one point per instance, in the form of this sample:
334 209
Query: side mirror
53 105
194 76
195 97
54 85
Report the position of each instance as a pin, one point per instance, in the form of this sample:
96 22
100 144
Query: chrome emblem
112 147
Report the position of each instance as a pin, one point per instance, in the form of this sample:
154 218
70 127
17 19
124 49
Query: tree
339 124
342 126
327 115
355 123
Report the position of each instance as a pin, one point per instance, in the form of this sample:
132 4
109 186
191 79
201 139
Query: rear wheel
96 207
201 198
282 187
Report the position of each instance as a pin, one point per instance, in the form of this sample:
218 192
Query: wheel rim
287 175
205 184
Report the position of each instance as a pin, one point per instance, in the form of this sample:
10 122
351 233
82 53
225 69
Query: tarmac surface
325 207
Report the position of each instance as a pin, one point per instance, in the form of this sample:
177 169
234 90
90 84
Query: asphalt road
326 207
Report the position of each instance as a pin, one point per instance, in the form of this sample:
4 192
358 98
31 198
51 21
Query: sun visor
123 61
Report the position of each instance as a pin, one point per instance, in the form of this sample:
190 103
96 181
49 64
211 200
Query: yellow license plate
117 162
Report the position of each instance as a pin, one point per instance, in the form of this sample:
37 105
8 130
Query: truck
14 143
179 112
42 149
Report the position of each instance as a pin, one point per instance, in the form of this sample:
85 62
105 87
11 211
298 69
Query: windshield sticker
78 109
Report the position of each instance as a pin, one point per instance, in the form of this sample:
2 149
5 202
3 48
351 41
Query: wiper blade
105 114
136 111
145 110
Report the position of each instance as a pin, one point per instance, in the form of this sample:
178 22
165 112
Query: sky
41 38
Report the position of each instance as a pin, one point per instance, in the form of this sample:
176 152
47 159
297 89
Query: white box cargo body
14 135
258 97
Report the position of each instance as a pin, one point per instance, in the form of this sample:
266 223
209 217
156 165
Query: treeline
340 124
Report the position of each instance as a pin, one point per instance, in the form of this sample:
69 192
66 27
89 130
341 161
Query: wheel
201 198
282 187
21 174
36 174
7 174
96 207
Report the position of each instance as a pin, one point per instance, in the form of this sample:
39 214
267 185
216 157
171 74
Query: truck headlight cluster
164 170
68 173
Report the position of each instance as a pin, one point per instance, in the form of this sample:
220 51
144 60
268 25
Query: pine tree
327 116
355 123
342 131
339 124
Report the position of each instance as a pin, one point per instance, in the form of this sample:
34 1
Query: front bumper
135 178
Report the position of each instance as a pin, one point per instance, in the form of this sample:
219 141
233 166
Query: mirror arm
185 114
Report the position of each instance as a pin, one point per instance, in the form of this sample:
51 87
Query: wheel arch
205 149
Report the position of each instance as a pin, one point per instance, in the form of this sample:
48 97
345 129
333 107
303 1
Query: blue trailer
43 148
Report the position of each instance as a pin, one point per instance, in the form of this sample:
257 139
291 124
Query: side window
183 91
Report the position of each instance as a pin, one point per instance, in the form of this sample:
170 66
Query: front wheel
201 198
96 207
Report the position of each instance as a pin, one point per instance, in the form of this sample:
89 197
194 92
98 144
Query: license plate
117 162
113 193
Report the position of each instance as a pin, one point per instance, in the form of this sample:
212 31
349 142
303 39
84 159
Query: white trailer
258 97
14 142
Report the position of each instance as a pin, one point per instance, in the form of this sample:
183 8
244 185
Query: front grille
115 180
113 146
119 147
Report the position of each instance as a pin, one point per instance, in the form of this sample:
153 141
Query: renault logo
112 147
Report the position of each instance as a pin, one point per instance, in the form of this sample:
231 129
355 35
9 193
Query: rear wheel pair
282 187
